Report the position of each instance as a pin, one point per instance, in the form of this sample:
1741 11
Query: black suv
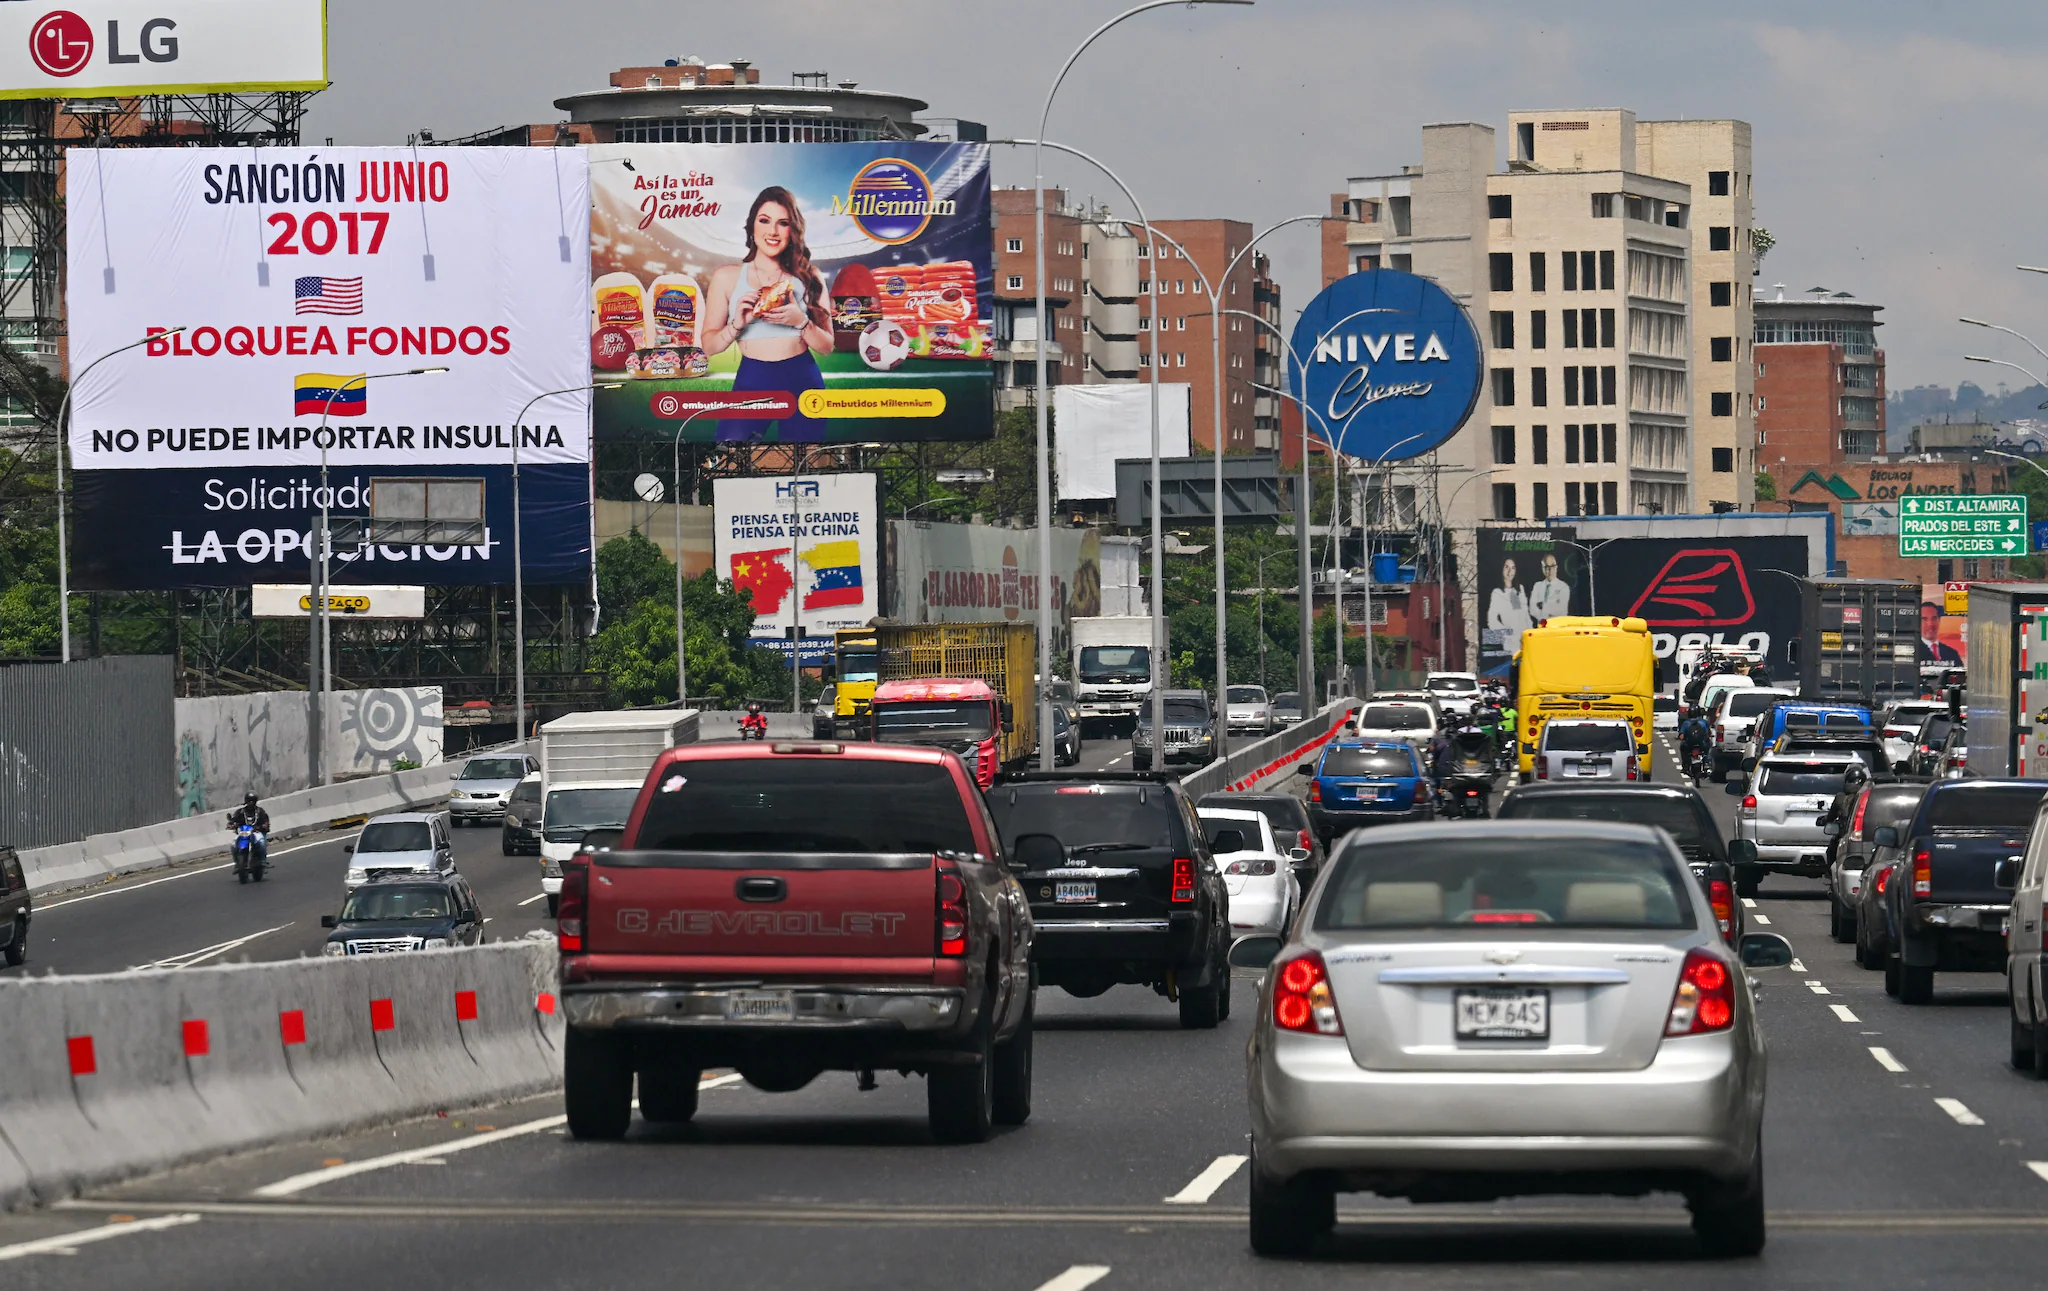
14 908
401 912
1122 885
1678 810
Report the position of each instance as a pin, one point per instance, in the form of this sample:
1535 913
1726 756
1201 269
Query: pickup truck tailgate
1961 864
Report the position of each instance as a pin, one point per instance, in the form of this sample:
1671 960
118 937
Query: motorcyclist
251 813
754 720
1843 809
1695 737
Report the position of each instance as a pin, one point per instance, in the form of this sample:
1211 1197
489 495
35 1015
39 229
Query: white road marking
68 1243
1817 988
1204 1185
1074 1279
299 1183
42 909
1842 1012
204 953
1885 1059
535 897
1749 903
1954 1107
1798 966
2039 1167
1763 919
1112 762
720 1082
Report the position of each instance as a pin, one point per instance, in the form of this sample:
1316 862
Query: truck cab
1112 667
961 714
857 660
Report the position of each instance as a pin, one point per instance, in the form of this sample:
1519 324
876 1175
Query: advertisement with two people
1528 576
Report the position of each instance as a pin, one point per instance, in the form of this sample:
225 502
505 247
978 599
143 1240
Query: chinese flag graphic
765 575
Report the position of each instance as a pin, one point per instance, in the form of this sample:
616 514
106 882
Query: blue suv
1366 783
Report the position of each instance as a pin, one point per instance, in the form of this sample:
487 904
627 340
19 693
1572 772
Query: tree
635 648
1766 487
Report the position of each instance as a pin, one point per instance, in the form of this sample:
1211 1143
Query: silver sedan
1508 1008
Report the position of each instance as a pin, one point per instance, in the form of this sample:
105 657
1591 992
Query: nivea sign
1387 365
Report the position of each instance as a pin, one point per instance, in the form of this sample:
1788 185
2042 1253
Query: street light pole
676 499
63 446
1046 751
1443 528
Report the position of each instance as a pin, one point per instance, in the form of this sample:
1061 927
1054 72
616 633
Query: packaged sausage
853 306
675 310
619 300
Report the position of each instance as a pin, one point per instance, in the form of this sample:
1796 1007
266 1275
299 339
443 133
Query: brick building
1017 329
1820 387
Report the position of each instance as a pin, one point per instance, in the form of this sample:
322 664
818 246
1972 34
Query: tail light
1856 825
1302 999
1421 792
1542 768
1705 999
573 903
1255 865
1304 840
1749 802
952 910
1183 878
1884 879
1722 898
1720 734
1633 771
1315 791
1923 872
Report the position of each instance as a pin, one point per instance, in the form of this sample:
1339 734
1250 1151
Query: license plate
760 1006
1590 769
1074 893
1503 1015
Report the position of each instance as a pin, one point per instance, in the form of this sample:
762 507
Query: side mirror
1764 950
2007 873
1887 836
1298 853
1749 764
601 840
1255 952
349 848
454 773
1741 851
1304 768
1733 788
1833 829
329 921
1227 841
1037 852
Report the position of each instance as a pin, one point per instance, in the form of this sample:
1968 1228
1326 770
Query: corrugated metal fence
85 748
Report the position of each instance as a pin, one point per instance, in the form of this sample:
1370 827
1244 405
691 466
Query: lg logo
61 43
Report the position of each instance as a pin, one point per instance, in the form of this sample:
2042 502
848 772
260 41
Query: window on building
1503 329
1724 461
1504 502
1536 271
1607 498
1571 387
1720 293
1607 385
1539 329
1603 206
1721 349
1144 359
1181 324
1571 329
1717 184
1606 270
1571 445
1720 238
1144 250
1503 387
1571 499
1569 260
1970 569
1674 216
1501 270
1539 387
1144 286
1606 329
1367 264
1589 435
1500 206
1504 445
1607 445
1016 282
1587 276
1723 403
1539 445
1014 245
1144 323
1180 360
1539 501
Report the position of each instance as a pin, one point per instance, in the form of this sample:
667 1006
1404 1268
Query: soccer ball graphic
884 345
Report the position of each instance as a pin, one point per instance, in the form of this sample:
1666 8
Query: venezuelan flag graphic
313 391
835 574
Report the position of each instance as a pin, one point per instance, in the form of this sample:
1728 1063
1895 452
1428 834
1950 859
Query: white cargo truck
1112 666
591 768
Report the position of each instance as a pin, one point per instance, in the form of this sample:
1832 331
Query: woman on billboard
773 306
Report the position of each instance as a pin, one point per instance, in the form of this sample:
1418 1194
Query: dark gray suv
1190 731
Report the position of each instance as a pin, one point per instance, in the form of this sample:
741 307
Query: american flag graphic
328 295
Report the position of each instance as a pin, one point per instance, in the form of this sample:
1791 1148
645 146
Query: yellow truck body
854 671
1578 666
1005 655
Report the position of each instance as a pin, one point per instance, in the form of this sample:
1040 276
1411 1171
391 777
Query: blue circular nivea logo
890 200
1386 364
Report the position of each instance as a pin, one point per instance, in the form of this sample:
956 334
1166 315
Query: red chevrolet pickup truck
792 908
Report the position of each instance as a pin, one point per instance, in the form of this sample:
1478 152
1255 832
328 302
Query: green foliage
635 647
1766 487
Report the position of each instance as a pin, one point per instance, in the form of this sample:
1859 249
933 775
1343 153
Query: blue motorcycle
252 853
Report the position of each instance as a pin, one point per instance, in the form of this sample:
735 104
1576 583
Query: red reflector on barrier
465 1006
382 1017
291 1026
545 1002
197 1043
83 1063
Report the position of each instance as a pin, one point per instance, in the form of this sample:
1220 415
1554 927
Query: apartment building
1819 377
1017 330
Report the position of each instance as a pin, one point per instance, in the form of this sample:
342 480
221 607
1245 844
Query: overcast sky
1898 142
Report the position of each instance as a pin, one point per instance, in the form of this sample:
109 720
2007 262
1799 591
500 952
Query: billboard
807 548
1525 577
1719 590
1944 623
112 47
977 573
1093 426
1387 365
845 288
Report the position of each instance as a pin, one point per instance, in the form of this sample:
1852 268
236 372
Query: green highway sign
1951 524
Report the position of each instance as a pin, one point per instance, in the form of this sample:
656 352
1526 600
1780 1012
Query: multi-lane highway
1901 1151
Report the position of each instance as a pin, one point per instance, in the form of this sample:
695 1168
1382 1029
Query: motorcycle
1469 781
754 726
1695 761
251 858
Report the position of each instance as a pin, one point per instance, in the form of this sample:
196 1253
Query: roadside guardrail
1245 768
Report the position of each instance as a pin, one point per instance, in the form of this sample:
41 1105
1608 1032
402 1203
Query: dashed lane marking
1817 988
538 896
68 1243
1749 903
1204 1185
1885 1059
2039 1167
1077 1277
1763 919
1955 1108
1798 965
299 1183
1842 1012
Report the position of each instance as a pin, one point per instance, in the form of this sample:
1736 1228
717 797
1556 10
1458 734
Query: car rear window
1101 817
1389 718
1664 703
1675 816
1585 737
1461 685
1249 829
1890 805
2005 806
1246 695
806 804
1936 729
1461 881
395 836
1286 815
1364 762
1745 704
1803 778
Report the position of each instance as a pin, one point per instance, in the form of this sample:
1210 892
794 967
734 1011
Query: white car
1902 723
1456 692
1250 711
1395 720
404 842
1591 749
1664 713
1729 721
1263 890
1719 685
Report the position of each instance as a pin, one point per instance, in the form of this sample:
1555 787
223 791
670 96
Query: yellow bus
1585 667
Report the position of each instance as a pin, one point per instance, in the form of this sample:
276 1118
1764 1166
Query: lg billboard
116 47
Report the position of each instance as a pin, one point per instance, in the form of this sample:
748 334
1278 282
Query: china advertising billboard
120 47
843 291
288 296
807 548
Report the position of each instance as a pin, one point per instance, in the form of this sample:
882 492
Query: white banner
305 280
106 47
1095 425
816 536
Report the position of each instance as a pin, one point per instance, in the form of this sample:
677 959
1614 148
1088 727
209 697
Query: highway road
1898 1155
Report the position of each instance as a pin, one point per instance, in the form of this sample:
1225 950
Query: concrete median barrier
1249 767
123 1074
